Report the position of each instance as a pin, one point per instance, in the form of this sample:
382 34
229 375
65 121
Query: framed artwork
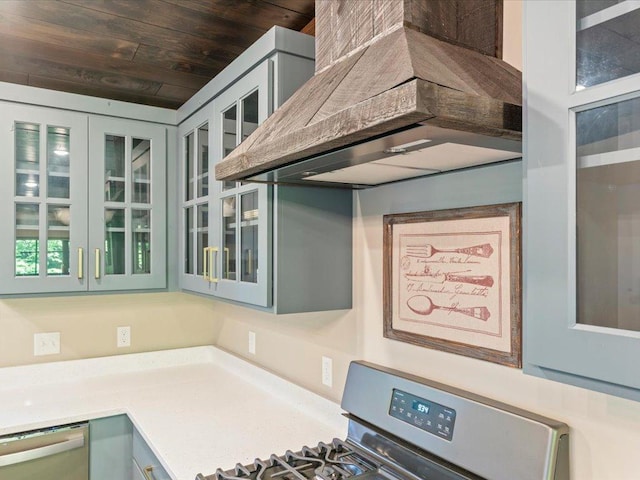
452 281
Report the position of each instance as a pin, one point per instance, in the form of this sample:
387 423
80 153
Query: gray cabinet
110 448
582 195
145 465
128 205
285 249
43 197
65 229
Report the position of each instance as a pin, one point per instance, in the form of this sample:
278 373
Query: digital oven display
424 414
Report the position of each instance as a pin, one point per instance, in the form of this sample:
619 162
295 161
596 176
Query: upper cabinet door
582 204
43 200
240 245
127 200
194 176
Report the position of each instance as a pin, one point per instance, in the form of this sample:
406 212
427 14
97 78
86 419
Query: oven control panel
424 414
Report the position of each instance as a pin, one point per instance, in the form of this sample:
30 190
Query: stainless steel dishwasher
55 453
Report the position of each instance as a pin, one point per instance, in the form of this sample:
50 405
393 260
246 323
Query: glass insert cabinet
582 206
82 210
277 248
226 242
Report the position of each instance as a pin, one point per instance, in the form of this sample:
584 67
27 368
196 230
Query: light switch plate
252 343
327 371
46 343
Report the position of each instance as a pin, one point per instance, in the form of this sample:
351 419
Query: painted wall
87 324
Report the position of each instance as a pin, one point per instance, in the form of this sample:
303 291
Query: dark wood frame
513 211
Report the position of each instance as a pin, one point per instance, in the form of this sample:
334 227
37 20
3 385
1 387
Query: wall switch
327 371
252 343
124 337
46 343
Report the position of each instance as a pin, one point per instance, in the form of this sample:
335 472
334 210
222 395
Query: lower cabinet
118 451
110 448
145 464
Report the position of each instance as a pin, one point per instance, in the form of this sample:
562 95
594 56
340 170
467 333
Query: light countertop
198 408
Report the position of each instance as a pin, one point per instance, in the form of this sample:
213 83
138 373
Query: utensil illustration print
482 280
422 305
427 251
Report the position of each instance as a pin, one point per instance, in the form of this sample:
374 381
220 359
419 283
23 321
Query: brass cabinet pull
226 252
148 472
80 263
205 259
97 252
213 261
250 269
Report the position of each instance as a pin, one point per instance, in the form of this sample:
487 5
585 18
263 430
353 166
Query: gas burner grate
334 461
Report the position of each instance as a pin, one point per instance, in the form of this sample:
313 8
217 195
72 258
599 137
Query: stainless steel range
403 427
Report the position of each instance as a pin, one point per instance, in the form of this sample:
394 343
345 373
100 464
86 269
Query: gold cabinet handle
250 269
80 263
205 259
226 253
213 261
97 253
148 472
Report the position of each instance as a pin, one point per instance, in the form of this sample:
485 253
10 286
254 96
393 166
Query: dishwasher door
49 454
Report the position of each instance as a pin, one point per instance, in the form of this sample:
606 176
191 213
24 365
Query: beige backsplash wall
87 324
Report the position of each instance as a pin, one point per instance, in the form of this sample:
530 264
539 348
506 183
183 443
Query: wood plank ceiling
152 52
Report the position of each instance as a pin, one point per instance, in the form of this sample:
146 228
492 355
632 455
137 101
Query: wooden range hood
389 102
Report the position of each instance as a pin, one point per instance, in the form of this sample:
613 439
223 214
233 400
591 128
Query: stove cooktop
333 461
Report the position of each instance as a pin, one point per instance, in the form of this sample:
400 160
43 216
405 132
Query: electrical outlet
124 337
327 371
46 343
252 343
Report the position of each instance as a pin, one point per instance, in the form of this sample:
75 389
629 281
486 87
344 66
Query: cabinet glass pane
27 239
114 241
229 238
229 137
249 236
203 161
188 240
58 162
203 234
188 166
608 216
27 144
584 8
141 241
115 165
249 114
59 223
607 43
141 170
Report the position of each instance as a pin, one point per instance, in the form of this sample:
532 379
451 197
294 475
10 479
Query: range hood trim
415 102
375 151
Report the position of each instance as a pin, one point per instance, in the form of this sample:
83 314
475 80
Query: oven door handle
71 443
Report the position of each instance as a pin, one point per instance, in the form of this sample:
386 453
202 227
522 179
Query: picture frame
452 281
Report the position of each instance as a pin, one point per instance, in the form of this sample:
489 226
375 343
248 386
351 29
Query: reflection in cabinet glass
606 47
608 217
27 249
249 236
229 223
58 162
27 154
